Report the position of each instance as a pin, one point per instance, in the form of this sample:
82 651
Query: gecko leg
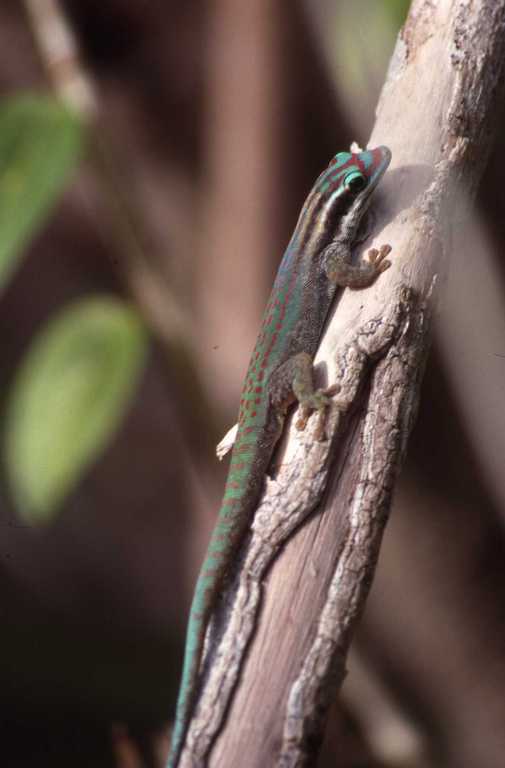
340 270
293 381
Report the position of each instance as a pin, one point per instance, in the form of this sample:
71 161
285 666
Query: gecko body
316 262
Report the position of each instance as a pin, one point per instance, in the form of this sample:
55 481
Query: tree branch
436 113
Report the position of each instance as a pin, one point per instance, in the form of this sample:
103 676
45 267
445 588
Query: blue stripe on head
366 158
341 158
338 167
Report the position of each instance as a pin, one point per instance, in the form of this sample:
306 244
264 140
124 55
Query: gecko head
352 176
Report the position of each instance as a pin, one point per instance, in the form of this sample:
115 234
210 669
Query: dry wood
436 113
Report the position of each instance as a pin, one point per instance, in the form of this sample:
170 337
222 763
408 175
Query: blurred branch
242 203
434 622
393 738
59 51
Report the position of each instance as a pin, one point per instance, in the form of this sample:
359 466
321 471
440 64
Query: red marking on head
253 413
258 390
377 157
356 160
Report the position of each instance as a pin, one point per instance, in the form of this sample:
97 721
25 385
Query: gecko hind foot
319 401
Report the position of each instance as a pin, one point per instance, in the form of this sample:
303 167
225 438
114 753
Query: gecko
317 261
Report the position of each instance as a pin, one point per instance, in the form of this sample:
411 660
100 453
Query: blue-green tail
195 637
242 488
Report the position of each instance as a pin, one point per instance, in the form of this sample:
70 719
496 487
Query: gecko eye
355 181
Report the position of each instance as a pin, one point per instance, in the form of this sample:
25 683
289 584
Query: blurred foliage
40 143
397 10
359 60
67 400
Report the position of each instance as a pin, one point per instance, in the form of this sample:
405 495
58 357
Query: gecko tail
200 613
188 686
223 543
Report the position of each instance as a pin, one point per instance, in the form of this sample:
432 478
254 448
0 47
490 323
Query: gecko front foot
341 271
377 258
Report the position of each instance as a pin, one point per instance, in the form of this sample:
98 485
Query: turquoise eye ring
355 181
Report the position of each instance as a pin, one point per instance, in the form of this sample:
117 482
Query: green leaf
40 142
67 400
